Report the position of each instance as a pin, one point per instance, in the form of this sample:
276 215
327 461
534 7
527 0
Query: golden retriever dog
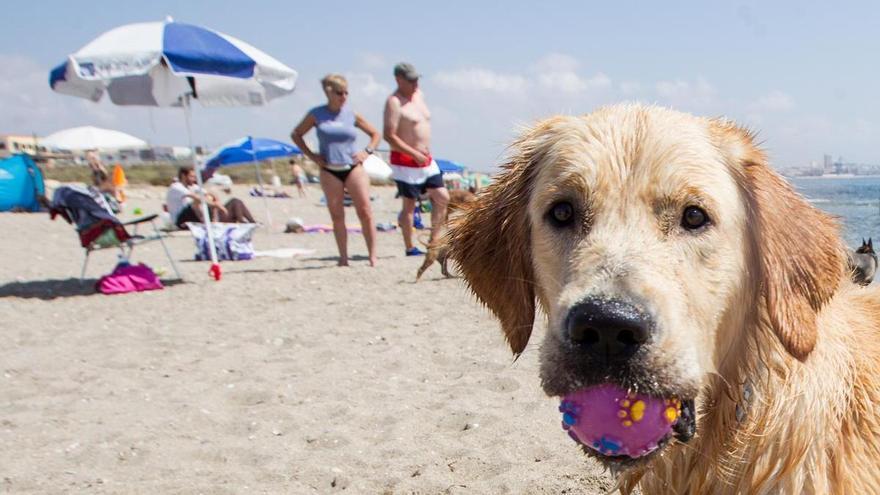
439 251
671 260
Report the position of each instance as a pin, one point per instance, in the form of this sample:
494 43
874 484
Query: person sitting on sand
184 203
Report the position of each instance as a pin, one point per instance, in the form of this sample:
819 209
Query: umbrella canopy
89 138
159 63
250 149
449 166
167 64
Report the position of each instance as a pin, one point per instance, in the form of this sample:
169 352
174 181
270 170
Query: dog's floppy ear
800 255
491 244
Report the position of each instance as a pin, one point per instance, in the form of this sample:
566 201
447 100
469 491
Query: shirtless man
408 132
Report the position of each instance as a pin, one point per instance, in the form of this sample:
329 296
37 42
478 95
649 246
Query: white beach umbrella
166 64
90 137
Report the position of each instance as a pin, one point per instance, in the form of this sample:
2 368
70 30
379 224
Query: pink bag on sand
129 278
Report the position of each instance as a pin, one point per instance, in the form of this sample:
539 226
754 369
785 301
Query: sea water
854 200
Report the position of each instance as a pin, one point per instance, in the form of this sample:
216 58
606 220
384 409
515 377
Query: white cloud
375 61
29 105
687 94
630 88
773 102
366 84
559 72
866 129
556 62
556 72
482 80
474 109
570 82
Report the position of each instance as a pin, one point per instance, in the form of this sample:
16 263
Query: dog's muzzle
606 345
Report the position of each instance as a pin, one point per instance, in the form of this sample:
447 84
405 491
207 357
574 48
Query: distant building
171 153
33 145
12 143
828 166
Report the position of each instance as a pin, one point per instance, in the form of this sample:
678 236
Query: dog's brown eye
562 214
694 218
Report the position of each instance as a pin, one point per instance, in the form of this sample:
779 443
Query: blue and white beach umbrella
160 63
166 64
250 149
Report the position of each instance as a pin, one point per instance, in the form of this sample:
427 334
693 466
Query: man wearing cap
408 132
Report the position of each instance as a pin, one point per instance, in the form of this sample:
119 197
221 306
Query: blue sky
804 74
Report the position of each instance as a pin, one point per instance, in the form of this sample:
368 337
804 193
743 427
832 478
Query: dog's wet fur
670 259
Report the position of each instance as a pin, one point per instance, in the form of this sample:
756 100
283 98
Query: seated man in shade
184 203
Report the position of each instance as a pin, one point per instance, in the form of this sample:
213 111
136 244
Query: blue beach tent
21 181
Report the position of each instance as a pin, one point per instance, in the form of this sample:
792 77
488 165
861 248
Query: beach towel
282 253
129 278
324 228
86 205
260 193
232 240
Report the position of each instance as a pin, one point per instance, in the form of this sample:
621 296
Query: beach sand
288 376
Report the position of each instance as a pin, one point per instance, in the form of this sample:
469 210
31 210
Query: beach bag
129 278
232 240
377 169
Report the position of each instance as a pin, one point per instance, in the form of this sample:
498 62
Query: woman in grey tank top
340 162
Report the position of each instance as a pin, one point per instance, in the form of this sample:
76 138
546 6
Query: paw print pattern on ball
570 411
631 410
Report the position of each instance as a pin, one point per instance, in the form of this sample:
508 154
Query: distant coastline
833 176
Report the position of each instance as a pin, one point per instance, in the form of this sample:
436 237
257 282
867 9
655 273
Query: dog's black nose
608 329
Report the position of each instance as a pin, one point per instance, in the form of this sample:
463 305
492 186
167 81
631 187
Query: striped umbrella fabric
160 63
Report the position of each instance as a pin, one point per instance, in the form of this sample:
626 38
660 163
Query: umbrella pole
206 214
262 189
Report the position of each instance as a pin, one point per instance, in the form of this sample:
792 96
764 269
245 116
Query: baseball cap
406 71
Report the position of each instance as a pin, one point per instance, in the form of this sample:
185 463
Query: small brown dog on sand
458 199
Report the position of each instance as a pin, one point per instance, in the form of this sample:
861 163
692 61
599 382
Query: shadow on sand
54 289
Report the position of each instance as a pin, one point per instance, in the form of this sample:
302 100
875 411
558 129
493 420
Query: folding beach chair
97 226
